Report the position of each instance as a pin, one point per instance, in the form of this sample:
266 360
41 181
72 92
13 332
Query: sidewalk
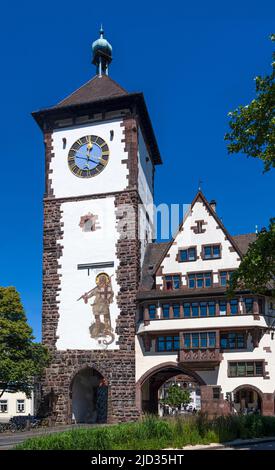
235 443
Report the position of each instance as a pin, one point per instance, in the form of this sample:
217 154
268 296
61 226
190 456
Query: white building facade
15 404
187 324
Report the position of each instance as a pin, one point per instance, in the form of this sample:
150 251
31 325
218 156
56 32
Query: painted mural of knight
101 329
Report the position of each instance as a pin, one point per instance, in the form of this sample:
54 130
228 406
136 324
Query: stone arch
172 369
252 388
88 396
256 389
82 368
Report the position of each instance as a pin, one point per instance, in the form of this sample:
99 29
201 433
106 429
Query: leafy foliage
176 396
155 433
252 126
257 269
21 360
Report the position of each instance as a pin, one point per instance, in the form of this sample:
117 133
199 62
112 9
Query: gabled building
187 324
122 314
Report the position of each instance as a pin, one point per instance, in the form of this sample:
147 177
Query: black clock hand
90 158
82 158
86 158
95 161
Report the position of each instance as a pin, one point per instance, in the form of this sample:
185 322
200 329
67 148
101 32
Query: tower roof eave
46 117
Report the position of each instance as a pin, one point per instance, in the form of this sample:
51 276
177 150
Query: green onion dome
101 46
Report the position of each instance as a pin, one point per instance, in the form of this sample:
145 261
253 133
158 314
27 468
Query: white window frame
19 403
4 402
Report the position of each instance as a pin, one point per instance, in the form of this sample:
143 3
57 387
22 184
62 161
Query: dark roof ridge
89 87
244 234
83 105
201 196
68 96
218 220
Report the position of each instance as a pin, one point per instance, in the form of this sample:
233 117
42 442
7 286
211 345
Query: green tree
252 133
257 269
21 360
252 126
176 396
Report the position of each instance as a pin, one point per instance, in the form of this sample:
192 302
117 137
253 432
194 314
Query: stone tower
100 155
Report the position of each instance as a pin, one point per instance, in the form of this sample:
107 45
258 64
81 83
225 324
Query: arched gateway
248 398
89 395
150 382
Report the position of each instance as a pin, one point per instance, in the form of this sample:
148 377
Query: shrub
268 425
156 433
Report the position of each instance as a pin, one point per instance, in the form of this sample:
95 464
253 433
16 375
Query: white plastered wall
186 237
228 384
145 188
112 178
12 405
219 376
147 360
81 247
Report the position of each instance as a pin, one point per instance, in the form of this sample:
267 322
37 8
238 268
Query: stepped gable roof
155 252
201 198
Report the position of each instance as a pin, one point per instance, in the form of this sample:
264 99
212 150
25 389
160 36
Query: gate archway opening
151 387
89 393
247 399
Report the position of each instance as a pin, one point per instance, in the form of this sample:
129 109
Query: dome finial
102 54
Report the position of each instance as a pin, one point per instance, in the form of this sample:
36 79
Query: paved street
8 441
259 446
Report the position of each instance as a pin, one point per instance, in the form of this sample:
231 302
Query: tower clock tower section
101 153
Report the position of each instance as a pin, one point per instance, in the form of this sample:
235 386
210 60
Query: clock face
88 156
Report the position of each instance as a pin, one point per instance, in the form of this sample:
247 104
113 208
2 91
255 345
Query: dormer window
188 254
172 282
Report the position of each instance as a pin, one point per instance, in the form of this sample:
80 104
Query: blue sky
194 61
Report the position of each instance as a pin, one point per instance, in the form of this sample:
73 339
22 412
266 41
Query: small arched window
88 222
